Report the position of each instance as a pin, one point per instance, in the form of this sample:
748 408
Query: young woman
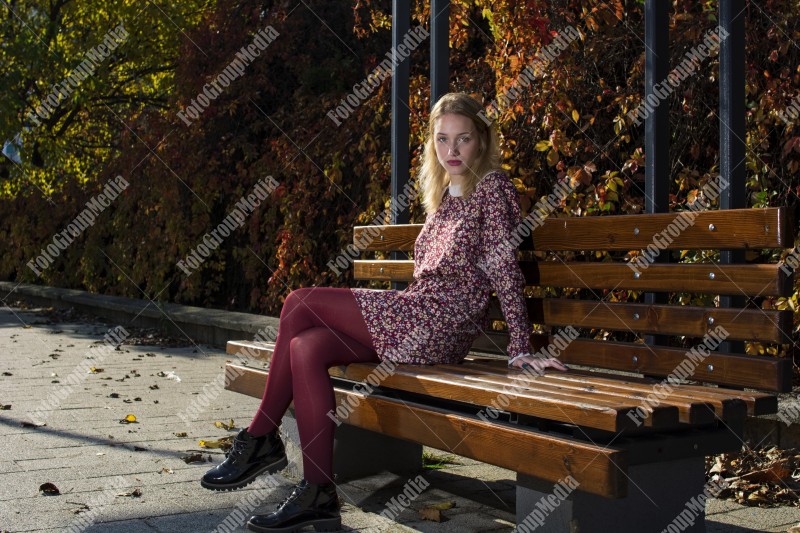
461 255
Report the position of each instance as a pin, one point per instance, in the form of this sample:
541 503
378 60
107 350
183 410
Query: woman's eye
464 139
442 139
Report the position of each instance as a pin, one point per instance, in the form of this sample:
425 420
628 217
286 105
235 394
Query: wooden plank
756 403
256 350
752 371
734 229
552 402
706 278
690 410
695 407
389 237
743 229
598 469
741 324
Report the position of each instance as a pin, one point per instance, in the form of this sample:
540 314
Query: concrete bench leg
657 494
356 452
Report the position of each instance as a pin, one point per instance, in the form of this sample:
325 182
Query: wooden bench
637 463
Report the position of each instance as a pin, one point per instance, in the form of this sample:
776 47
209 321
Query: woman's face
457 143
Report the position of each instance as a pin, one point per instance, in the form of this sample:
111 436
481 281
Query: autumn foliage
572 123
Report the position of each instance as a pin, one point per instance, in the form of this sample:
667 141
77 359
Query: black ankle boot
309 504
248 458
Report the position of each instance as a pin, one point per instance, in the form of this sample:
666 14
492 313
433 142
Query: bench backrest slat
733 229
710 278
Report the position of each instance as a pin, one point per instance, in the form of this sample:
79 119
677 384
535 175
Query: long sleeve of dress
500 218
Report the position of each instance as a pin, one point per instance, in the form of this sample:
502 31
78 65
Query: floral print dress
461 255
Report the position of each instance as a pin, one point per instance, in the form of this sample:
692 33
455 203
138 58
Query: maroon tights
320 327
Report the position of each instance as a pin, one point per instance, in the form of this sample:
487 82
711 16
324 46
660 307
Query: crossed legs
319 327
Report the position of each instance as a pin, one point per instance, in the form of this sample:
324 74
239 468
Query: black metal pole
440 49
732 130
656 125
401 23
401 157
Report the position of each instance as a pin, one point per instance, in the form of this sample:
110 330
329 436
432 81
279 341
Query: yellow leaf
221 443
443 506
541 146
575 115
223 425
130 419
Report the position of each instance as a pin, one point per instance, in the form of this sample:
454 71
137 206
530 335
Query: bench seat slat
549 401
598 469
693 405
749 280
692 409
756 403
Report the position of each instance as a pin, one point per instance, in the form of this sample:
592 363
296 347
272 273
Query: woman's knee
295 298
302 347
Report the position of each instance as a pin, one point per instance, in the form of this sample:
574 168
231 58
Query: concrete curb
210 326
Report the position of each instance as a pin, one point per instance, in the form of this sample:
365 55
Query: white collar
455 190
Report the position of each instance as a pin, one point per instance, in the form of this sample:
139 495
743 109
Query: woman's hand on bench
538 364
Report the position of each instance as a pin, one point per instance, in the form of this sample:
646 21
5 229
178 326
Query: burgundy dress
444 309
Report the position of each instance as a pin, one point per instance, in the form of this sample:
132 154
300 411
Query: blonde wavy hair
432 176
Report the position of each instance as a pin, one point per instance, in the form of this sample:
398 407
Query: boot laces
237 450
294 495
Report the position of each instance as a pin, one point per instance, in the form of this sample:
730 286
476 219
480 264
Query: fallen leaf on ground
166 470
130 419
763 477
193 458
433 512
223 425
135 493
776 473
429 513
5 407
94 370
180 434
32 425
223 443
49 489
443 506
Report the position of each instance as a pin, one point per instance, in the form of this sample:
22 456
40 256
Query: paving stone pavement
131 477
